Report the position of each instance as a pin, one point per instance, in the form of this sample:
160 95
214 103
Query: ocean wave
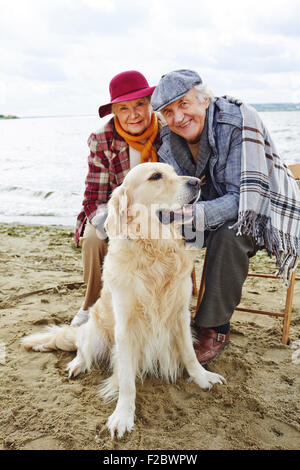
37 193
19 202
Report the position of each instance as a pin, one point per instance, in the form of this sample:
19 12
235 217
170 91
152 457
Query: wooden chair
287 315
295 169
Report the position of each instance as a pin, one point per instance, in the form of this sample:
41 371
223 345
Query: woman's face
134 115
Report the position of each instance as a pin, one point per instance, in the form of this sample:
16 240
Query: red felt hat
126 86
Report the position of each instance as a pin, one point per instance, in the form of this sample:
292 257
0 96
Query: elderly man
204 137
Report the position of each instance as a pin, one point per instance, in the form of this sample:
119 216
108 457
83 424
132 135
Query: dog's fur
141 323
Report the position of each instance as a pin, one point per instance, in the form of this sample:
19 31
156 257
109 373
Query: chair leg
288 310
195 290
202 285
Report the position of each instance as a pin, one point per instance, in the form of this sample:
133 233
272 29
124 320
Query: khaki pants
93 253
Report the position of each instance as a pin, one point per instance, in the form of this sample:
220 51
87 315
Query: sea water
43 164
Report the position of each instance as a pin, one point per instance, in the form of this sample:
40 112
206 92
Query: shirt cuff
204 218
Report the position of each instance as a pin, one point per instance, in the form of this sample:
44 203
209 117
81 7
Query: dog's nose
193 182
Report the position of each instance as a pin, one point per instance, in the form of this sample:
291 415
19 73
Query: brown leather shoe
209 344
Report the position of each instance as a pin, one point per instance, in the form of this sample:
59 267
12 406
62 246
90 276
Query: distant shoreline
276 107
9 116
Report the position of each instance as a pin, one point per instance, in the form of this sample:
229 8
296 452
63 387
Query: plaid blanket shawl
269 207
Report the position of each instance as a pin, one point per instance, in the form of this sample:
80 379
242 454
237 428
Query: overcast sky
58 56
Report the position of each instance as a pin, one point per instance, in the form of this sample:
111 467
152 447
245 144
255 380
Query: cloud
58 56
259 54
282 20
72 19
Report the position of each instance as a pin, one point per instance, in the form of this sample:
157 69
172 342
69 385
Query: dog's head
147 188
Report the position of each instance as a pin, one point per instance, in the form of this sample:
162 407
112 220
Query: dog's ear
116 222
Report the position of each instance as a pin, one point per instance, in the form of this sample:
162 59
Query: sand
41 284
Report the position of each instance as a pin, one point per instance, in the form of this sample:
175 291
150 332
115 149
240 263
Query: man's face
186 116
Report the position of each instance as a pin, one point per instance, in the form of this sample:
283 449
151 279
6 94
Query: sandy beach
41 284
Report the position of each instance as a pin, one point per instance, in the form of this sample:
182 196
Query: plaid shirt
108 164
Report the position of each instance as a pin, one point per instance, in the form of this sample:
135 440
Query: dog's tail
54 337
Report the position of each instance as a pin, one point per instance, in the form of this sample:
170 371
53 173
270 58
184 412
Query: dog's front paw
75 367
208 379
120 422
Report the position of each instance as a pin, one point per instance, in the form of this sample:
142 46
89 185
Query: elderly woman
130 137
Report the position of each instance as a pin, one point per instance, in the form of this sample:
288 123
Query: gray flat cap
173 86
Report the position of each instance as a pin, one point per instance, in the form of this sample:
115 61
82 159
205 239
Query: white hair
204 93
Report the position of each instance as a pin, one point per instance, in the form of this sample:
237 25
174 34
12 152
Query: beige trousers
93 253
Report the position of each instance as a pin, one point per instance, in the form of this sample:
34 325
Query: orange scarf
148 152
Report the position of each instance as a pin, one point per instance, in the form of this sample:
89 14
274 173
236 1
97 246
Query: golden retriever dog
141 322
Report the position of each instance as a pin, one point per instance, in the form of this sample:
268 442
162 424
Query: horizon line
12 116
